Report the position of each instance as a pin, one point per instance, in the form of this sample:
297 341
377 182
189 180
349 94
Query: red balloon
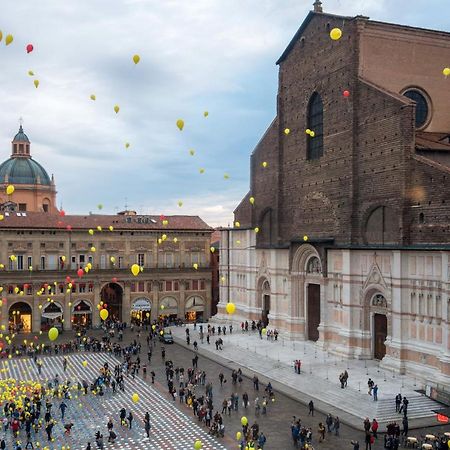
45 285
36 338
80 272
346 94
69 227
68 279
30 48
114 280
25 286
62 213
105 305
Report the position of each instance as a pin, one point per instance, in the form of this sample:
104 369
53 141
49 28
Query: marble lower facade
387 304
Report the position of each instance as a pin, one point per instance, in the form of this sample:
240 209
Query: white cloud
215 55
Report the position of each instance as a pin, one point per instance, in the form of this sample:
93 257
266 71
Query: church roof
21 136
23 171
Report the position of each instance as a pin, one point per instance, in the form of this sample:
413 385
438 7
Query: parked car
166 337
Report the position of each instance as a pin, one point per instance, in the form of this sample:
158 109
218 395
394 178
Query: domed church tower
34 189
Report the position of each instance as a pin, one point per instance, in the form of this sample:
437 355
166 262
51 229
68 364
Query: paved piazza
171 428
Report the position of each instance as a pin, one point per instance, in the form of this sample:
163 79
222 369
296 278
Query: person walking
147 425
62 408
398 402
321 430
336 425
375 426
329 422
311 408
405 426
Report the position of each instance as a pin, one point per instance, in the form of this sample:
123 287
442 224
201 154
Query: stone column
95 314
208 298
126 304
35 315
182 301
67 325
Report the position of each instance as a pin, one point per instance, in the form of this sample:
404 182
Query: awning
52 315
141 304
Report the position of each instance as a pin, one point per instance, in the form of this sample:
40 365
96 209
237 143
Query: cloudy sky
202 55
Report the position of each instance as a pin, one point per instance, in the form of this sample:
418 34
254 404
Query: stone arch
195 308
112 295
81 314
263 298
381 225
301 257
168 306
368 295
20 314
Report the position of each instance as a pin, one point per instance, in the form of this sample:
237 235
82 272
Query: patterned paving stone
171 428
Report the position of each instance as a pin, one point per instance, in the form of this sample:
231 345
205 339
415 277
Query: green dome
23 171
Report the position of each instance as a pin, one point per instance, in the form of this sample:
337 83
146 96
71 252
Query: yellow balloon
31 73
305 238
446 71
244 421
336 34
264 331
192 152
195 266
308 131
93 249
237 224
93 97
256 229
9 38
165 222
53 333
116 108
175 240
135 269
180 203
159 241
212 249
10 189
230 308
111 228
264 164
112 259
252 200
238 436
162 307
312 134
36 83
164 237
226 176
201 170
136 59
135 398
104 314
287 131
1 35
91 231
99 228
198 445
85 363
180 124
63 258
127 145
206 114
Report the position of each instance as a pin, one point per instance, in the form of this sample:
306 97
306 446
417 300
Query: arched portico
263 293
20 316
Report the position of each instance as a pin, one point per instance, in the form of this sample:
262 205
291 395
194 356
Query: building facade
346 241
58 269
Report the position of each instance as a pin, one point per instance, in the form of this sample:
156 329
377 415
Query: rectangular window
91 288
175 286
61 289
140 260
133 287
52 262
81 260
29 262
149 260
102 261
82 288
195 285
42 262
22 207
120 262
168 285
91 259
44 207
187 285
141 286
195 258
73 262
202 285
169 260
19 262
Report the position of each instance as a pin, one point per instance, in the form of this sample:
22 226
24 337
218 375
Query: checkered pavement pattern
170 427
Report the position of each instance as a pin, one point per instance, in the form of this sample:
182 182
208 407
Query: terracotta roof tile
119 222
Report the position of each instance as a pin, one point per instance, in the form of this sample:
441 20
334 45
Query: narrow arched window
315 124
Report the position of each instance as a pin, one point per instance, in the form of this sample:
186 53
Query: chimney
318 6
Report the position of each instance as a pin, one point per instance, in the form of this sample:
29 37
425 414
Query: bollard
384 376
359 386
327 373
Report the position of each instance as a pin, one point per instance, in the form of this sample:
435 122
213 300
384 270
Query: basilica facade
344 235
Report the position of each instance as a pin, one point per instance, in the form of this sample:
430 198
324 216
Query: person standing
63 408
398 402
336 425
147 425
405 426
375 392
329 422
375 428
321 431
311 408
